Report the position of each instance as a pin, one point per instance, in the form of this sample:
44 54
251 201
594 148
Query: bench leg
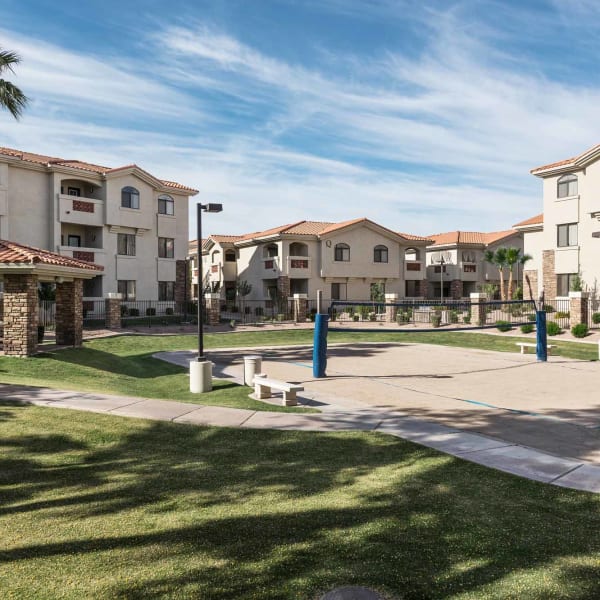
522 349
289 398
262 391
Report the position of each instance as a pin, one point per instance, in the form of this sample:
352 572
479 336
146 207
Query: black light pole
211 208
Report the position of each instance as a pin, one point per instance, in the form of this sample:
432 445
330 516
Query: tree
243 288
498 259
11 97
514 257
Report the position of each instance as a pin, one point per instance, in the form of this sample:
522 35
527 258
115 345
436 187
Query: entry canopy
17 259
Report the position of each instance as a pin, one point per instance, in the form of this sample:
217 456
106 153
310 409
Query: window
126 288
74 240
342 253
566 235
339 291
380 254
166 205
166 247
130 197
73 191
563 283
126 244
230 256
299 263
166 290
270 251
567 186
470 268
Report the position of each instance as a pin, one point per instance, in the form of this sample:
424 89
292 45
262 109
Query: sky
422 116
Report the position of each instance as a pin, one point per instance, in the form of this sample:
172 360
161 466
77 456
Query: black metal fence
257 311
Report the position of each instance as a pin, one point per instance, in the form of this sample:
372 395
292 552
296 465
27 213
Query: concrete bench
263 386
524 345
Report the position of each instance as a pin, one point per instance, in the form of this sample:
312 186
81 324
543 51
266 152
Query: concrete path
488 451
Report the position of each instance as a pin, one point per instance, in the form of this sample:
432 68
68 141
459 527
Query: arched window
166 205
130 197
229 255
342 253
215 257
411 254
298 249
380 254
270 251
567 186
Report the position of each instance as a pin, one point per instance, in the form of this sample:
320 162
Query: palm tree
11 97
498 259
514 257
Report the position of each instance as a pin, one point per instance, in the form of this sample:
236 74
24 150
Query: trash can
252 366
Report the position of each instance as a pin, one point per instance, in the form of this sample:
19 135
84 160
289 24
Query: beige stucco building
455 261
124 219
565 239
343 260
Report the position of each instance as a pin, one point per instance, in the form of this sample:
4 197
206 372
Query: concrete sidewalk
484 450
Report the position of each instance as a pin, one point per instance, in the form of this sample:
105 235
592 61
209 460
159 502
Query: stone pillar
181 274
549 274
300 307
20 315
391 311
69 313
578 307
456 289
533 280
212 303
423 288
478 314
112 310
283 286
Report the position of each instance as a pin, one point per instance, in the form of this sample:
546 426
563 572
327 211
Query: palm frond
8 59
12 98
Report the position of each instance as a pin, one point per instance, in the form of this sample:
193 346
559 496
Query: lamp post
201 369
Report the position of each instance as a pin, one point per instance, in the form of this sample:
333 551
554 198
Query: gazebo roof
18 258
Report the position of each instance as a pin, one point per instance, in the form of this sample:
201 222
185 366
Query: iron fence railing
558 311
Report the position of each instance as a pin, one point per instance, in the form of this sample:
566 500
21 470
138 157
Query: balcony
272 265
469 271
299 266
215 272
80 210
92 255
413 269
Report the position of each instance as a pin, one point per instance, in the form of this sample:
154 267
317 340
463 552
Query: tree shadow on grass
266 514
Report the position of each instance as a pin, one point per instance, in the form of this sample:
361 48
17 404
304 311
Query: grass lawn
97 506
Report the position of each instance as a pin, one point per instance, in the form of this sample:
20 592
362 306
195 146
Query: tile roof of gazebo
18 257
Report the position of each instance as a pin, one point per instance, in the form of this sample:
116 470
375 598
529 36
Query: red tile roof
42 159
568 161
537 220
13 253
469 237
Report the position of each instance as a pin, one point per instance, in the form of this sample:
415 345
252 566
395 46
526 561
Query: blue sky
425 117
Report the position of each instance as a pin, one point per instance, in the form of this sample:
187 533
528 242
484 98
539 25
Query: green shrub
134 312
503 326
436 320
467 318
124 310
596 318
527 328
453 316
402 317
580 330
150 311
355 317
168 310
548 308
562 315
530 316
553 328
372 316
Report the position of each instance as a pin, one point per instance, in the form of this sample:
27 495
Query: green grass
124 366
97 506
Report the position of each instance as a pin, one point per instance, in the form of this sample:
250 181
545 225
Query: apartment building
344 260
565 239
124 219
455 261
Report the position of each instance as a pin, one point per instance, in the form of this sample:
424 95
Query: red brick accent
578 309
181 278
20 315
69 313
423 288
283 285
212 305
80 255
112 313
81 206
456 289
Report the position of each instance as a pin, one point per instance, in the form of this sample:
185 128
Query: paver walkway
492 452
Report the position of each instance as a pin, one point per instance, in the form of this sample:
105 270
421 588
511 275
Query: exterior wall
33 211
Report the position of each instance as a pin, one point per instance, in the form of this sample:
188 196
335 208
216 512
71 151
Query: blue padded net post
541 340
320 345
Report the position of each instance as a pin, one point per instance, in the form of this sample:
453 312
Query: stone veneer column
212 303
20 315
283 285
69 313
578 307
300 307
112 310
456 289
533 280
549 274
391 311
423 288
181 268
478 314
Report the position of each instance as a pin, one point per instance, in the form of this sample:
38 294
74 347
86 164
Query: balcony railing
81 210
